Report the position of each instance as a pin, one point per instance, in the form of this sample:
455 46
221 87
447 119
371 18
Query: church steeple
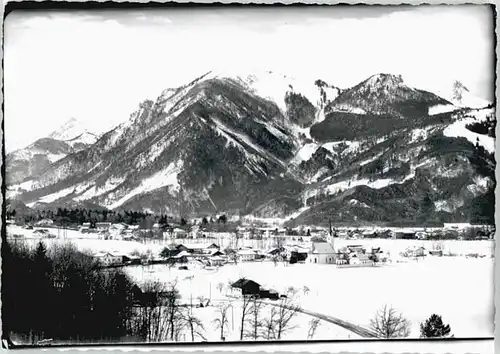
331 235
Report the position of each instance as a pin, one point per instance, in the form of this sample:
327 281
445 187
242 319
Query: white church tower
330 238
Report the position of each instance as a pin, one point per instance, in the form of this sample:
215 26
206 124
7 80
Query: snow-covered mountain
457 93
33 159
270 145
69 130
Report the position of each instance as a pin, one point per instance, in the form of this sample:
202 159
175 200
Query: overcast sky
97 66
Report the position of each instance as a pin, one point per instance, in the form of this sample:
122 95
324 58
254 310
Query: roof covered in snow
322 248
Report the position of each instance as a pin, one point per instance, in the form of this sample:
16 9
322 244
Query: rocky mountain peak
381 81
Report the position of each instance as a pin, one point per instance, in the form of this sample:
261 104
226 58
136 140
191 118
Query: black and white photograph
248 173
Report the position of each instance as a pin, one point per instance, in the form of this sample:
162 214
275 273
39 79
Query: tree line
62 293
78 216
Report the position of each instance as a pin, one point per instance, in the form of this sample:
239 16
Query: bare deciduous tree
245 309
194 325
255 322
269 325
287 309
221 322
388 323
220 286
313 326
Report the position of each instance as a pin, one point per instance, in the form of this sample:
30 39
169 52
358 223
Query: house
297 252
421 235
217 253
102 225
355 249
322 252
247 255
247 286
45 222
181 257
109 259
415 252
131 260
216 260
118 226
457 226
360 259
202 248
179 233
84 229
276 251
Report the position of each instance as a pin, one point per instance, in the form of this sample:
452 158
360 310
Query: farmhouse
247 286
102 225
202 248
360 259
216 253
108 258
355 249
181 257
216 260
179 233
45 222
456 226
322 252
247 255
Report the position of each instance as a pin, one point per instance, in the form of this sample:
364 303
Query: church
322 252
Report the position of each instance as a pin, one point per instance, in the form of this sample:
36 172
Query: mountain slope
386 94
32 160
272 146
432 172
211 145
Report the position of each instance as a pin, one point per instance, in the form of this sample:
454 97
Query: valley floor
459 289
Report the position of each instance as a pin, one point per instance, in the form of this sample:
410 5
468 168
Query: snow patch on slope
95 191
458 129
58 195
165 178
348 109
305 153
441 108
69 130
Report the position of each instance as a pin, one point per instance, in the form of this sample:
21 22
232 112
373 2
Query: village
184 244
215 264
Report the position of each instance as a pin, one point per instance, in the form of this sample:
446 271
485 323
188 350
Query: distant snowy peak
455 92
462 97
385 94
72 129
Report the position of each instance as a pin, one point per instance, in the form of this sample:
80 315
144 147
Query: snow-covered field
459 289
298 331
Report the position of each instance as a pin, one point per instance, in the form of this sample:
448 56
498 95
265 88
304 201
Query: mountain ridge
219 143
